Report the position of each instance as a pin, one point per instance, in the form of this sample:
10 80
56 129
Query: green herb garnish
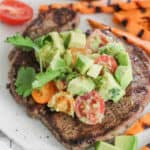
25 77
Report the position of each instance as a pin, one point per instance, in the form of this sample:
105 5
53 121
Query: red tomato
14 12
107 61
90 108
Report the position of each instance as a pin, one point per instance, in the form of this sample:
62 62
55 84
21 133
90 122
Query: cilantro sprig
44 77
24 42
25 77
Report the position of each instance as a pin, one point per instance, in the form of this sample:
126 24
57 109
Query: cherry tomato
62 102
107 61
14 12
90 108
95 34
45 94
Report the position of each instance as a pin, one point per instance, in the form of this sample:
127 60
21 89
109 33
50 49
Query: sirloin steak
70 131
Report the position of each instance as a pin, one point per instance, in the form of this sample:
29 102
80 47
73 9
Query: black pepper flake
124 22
116 7
143 10
73 25
97 9
47 136
140 33
128 1
7 85
148 145
145 126
124 37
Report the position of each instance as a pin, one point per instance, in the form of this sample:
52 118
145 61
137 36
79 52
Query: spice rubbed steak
70 131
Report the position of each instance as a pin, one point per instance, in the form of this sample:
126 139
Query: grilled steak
70 131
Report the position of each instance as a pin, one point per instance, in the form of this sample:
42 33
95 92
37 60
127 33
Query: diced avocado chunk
68 57
94 70
66 37
57 62
105 146
123 59
45 54
124 75
83 63
112 48
110 89
95 42
77 40
80 86
126 142
94 56
57 41
78 30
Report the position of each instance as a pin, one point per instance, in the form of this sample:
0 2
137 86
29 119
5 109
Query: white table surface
8 144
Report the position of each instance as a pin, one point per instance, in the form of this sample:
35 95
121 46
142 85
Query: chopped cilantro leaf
44 77
71 76
25 77
24 42
114 92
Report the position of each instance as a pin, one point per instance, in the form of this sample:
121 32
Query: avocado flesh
66 37
105 146
123 73
45 55
126 142
57 62
94 70
95 43
124 76
83 63
110 89
123 59
57 42
68 57
80 86
77 40
112 48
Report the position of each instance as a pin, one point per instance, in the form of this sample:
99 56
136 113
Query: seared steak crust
52 20
70 131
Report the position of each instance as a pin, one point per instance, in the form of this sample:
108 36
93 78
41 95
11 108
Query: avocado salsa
78 73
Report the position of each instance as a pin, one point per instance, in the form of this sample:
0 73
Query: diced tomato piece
107 61
14 12
90 108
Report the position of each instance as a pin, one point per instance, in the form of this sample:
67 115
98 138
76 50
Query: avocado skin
105 146
126 142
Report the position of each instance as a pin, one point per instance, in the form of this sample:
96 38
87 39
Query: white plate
14 122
